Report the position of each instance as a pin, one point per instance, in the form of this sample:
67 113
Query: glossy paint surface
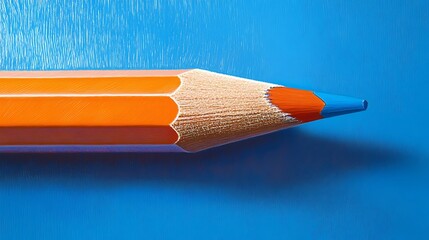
87 111
357 176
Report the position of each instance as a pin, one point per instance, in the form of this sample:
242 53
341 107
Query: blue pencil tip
338 105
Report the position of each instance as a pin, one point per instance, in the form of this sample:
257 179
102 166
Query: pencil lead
338 105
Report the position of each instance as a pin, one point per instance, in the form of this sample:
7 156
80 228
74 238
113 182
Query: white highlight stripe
89 148
82 95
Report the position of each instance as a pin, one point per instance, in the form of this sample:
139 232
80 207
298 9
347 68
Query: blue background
360 176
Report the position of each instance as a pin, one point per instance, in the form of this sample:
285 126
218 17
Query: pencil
154 111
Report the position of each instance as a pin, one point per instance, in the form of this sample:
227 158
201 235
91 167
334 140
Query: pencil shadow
263 164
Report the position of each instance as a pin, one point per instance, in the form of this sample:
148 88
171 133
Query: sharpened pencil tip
338 105
365 104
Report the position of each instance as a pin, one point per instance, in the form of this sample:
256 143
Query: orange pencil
163 110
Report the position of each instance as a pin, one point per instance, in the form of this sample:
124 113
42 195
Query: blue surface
336 105
358 176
